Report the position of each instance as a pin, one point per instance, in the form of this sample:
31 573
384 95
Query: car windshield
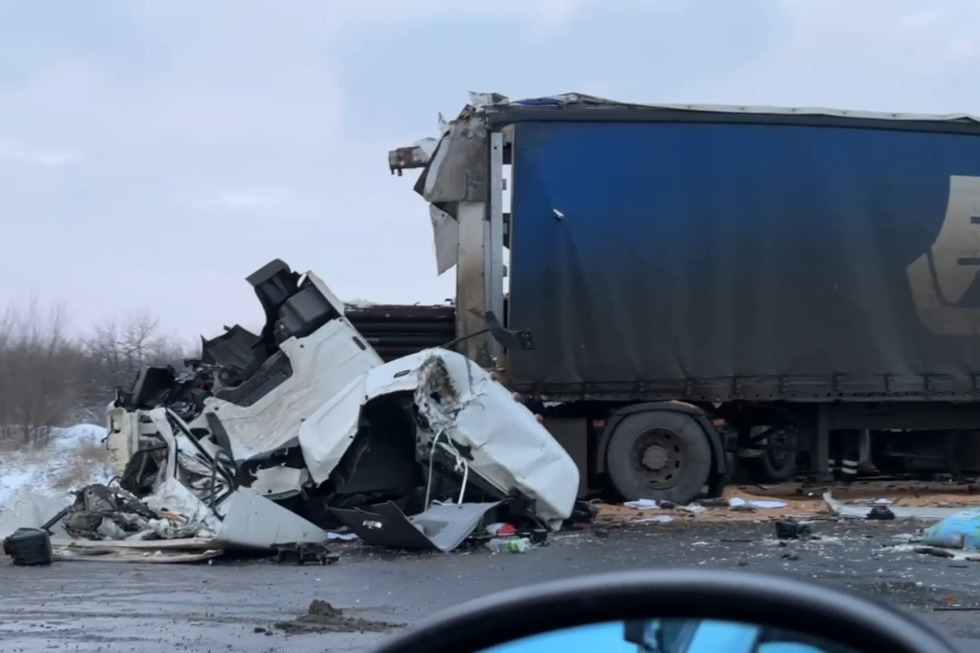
503 293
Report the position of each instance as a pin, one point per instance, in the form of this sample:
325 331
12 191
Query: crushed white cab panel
251 521
329 432
509 447
323 364
123 439
280 482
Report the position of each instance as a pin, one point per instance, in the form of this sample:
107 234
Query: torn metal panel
279 482
323 364
324 289
445 231
504 441
251 521
244 520
860 511
458 168
469 415
442 527
122 441
327 434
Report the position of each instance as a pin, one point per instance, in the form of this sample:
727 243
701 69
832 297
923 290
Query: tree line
51 377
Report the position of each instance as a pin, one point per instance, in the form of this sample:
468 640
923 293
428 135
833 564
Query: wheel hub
657 458
654 458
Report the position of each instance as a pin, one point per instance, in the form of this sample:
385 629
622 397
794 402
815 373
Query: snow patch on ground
72 458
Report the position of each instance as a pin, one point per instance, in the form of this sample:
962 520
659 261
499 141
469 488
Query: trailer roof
578 107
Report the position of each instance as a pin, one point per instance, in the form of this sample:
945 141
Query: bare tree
46 376
39 367
119 348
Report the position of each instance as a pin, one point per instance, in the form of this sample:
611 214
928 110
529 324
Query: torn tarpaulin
259 440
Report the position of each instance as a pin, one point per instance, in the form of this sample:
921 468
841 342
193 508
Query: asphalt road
236 606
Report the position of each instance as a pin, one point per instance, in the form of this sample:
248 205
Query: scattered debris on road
324 618
881 513
277 439
793 508
791 529
302 554
865 510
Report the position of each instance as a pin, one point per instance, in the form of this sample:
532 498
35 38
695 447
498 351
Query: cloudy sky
153 153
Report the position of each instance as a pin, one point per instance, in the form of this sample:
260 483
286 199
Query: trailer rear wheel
777 463
660 455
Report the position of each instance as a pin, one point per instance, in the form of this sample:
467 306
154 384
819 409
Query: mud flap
442 527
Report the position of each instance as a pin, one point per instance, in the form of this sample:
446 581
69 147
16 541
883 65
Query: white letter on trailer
943 274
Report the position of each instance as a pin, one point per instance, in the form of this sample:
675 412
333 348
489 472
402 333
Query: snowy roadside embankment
72 458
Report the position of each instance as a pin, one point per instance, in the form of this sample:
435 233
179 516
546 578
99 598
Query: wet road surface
236 606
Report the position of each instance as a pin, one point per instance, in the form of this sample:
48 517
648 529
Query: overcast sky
153 153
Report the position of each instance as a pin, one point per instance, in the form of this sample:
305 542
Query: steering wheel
842 618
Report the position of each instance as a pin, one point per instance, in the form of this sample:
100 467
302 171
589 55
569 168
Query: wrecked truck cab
267 385
307 415
463 421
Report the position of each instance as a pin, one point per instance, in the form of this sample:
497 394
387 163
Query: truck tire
775 466
660 455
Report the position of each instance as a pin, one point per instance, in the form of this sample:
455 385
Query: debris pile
322 617
735 505
269 440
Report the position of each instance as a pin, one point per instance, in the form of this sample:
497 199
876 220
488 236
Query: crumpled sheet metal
250 522
860 511
254 522
445 234
506 444
457 170
272 422
442 527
